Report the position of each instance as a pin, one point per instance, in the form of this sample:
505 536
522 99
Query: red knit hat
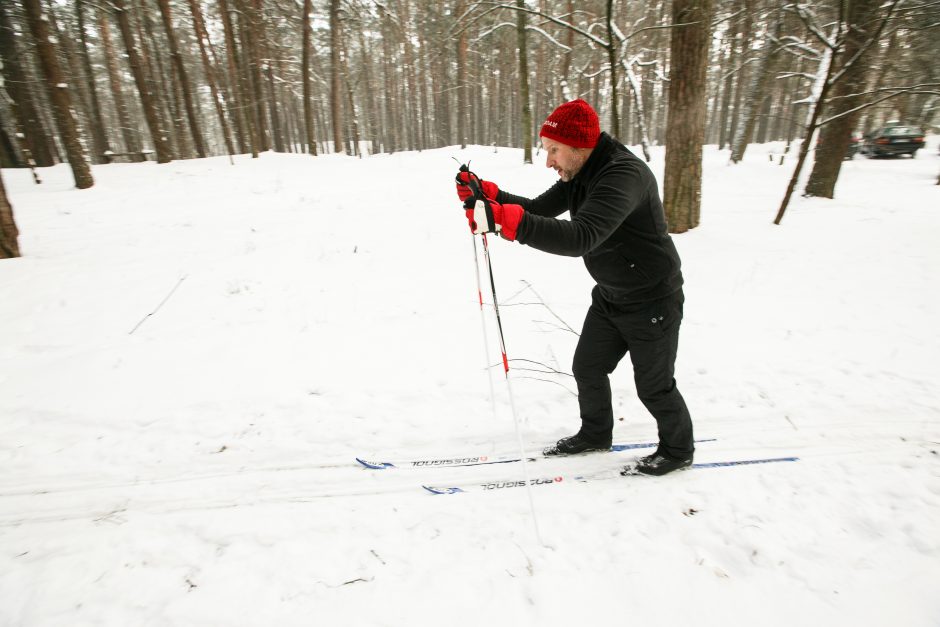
574 124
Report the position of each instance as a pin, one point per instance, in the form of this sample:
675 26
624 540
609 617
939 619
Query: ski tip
746 462
437 490
375 465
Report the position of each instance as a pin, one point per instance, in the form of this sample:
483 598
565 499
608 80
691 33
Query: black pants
650 332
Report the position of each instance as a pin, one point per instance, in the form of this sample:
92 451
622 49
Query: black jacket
617 225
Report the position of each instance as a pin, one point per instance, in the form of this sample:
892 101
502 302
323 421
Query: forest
98 81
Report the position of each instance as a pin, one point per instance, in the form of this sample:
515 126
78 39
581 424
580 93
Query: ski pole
486 339
481 202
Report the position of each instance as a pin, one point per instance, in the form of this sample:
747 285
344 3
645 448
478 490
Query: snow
196 466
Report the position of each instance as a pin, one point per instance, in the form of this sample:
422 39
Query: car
891 141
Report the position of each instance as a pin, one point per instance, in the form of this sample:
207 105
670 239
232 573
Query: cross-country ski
483 460
503 484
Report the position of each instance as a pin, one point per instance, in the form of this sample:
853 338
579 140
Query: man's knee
585 368
654 392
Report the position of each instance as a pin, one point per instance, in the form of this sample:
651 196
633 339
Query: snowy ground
196 466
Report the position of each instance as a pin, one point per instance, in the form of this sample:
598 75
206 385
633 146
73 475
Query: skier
618 227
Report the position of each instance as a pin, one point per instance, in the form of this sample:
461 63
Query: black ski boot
657 464
573 445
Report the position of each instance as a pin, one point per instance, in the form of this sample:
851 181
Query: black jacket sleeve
551 203
614 195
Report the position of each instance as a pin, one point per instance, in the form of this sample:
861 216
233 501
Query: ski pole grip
472 181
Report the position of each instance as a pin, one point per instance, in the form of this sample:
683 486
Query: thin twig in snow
162 303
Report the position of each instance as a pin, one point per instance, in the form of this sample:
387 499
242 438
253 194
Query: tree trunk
33 139
202 37
9 234
97 124
353 117
59 94
72 75
565 84
277 124
637 92
251 58
835 136
163 87
807 141
462 107
685 132
612 62
524 83
743 78
390 105
157 134
336 78
761 80
266 67
191 111
372 114
727 92
128 130
711 133
413 120
11 155
307 36
247 136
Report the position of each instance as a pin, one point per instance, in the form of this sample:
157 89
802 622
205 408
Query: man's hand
464 191
506 220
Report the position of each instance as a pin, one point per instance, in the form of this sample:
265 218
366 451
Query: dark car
890 141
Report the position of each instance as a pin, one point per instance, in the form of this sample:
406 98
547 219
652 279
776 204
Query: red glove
506 218
464 191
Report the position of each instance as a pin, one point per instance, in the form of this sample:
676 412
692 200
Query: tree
32 136
462 51
307 36
244 122
336 78
158 134
218 100
96 120
829 74
758 92
9 234
524 84
128 129
191 112
59 94
685 131
862 18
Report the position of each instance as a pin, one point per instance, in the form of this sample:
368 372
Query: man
618 227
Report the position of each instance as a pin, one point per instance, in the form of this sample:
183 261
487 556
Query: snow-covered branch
597 40
812 28
548 36
912 90
868 44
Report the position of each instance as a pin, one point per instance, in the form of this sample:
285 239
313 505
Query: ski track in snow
201 470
